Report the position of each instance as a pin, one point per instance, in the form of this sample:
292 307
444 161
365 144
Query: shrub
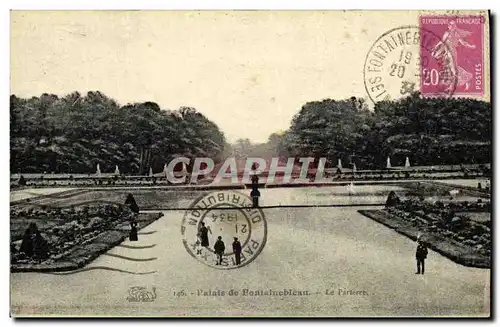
130 202
22 181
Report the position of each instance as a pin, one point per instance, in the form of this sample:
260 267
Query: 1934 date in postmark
443 56
223 230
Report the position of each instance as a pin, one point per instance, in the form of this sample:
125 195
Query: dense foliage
428 131
453 220
75 133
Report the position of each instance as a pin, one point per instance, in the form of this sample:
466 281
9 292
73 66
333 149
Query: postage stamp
228 219
443 56
459 49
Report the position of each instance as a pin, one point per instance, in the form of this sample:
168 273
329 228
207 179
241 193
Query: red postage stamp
456 63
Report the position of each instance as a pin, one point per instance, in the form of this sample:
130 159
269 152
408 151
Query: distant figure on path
133 232
237 250
219 248
421 255
255 194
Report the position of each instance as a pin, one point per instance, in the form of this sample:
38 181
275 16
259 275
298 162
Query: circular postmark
227 215
409 59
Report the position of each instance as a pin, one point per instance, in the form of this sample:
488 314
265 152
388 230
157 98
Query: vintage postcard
250 164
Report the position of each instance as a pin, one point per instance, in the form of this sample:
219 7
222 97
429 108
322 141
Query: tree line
75 133
429 131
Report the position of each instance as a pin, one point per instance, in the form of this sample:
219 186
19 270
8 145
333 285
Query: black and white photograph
250 163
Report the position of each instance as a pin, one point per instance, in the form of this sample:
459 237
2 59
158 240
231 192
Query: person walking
219 248
237 250
421 255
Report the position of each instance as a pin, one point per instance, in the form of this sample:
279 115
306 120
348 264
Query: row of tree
429 131
75 133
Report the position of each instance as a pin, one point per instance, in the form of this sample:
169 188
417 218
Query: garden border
440 244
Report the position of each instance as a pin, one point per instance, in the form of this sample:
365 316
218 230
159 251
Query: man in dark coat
203 235
421 255
255 194
219 248
237 250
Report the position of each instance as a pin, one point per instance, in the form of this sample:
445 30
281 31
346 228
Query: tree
429 131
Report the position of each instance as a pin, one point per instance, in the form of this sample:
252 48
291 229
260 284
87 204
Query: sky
250 72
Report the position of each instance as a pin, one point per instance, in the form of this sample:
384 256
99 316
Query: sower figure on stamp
219 249
237 250
447 50
421 255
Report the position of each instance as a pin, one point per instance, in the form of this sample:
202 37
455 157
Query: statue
407 163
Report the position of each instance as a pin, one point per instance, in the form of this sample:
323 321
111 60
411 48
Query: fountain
117 171
339 165
150 171
407 163
388 163
354 169
98 171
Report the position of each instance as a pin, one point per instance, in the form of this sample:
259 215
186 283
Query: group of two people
219 246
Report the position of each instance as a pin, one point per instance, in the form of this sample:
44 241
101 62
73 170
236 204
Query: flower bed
456 236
